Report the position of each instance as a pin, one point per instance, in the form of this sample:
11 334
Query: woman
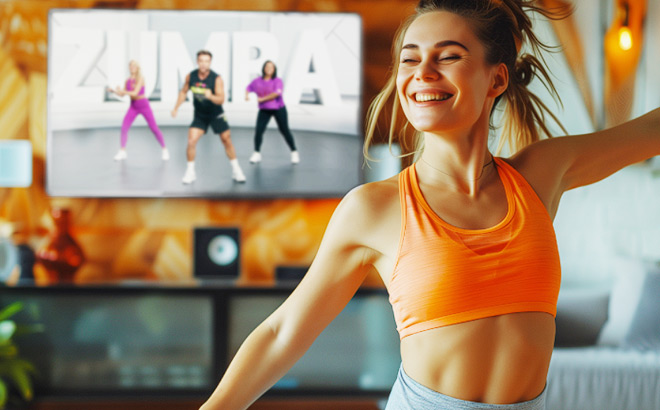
463 240
268 88
134 88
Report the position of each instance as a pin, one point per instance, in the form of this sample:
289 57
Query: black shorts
218 124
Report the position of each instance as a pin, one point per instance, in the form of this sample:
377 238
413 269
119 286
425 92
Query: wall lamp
625 35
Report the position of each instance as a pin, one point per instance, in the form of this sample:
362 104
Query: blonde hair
501 26
138 73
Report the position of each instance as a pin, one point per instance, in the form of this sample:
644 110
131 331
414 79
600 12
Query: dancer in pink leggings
134 88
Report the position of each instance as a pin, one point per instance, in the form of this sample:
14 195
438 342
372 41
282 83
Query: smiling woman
454 79
502 39
463 240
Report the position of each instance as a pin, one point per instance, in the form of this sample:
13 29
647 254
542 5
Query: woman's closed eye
411 60
450 58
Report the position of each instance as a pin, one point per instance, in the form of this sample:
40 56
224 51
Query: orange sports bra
446 275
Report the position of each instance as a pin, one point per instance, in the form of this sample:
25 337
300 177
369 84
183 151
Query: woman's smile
430 96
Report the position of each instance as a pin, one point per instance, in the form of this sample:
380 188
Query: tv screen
103 142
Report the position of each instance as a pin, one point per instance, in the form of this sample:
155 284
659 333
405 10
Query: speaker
217 253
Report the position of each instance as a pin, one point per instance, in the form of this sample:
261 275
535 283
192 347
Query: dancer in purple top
268 88
134 87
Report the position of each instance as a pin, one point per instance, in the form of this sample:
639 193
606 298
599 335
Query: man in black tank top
208 95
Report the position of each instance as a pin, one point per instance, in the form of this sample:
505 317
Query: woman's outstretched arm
600 154
336 273
120 91
556 165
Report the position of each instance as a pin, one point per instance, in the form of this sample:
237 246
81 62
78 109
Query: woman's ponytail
524 115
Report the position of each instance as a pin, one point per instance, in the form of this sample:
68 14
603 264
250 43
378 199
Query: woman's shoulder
368 216
376 191
372 201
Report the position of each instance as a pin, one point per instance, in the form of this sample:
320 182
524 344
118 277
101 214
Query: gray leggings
407 394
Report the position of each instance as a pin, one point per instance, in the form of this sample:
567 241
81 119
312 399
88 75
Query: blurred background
604 70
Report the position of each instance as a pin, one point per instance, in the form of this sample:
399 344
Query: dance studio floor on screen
80 164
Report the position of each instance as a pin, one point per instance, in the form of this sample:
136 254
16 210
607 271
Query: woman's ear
500 81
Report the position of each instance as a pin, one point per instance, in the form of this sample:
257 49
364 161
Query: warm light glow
625 38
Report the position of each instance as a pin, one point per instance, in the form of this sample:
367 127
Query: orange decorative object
62 256
625 38
623 43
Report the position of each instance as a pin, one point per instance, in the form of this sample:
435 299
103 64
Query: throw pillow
624 299
644 331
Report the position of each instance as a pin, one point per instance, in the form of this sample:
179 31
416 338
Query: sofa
607 345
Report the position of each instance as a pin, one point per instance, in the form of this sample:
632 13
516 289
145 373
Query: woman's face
269 69
443 79
133 67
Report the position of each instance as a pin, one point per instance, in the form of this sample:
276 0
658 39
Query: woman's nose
426 71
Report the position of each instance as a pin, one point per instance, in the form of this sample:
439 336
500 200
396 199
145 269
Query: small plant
16 373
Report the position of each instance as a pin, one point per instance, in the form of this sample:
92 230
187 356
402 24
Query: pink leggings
140 106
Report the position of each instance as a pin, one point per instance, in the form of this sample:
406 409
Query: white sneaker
189 176
237 175
166 155
295 158
121 155
256 157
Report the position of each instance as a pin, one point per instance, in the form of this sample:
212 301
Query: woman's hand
117 91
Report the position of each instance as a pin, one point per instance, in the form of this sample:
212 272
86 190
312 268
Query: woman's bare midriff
499 360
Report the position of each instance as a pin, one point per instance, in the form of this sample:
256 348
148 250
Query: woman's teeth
424 97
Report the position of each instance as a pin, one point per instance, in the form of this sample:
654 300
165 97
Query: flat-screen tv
318 58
